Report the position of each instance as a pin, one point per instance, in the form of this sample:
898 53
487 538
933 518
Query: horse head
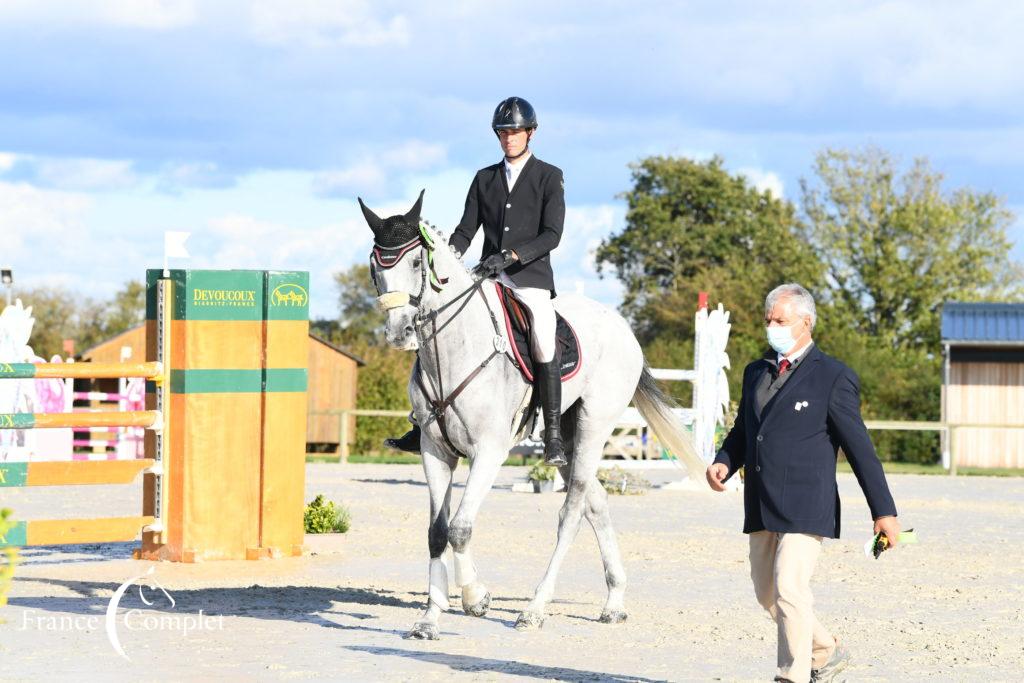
400 270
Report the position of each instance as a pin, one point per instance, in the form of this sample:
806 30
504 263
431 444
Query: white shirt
794 355
512 170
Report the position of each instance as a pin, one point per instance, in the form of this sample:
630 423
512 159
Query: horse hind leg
597 514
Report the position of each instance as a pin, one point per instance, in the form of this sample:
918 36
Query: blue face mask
781 339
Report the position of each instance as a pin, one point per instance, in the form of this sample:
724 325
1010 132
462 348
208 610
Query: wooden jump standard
225 417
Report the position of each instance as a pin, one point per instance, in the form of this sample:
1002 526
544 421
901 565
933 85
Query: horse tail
655 407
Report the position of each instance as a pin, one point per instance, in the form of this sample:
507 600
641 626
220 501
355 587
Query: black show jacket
790 452
528 220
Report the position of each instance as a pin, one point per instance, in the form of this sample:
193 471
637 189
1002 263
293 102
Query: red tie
783 366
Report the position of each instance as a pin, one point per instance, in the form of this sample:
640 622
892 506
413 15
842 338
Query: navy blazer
790 453
527 220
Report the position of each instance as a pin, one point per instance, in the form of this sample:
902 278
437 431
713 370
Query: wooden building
983 382
333 381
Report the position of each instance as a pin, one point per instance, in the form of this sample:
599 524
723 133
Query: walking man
520 201
797 407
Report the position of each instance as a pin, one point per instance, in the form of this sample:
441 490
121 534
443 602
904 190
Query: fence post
952 449
343 438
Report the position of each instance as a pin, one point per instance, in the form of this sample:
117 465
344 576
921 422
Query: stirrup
554 456
408 443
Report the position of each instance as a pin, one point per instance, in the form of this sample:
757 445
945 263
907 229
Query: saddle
517 325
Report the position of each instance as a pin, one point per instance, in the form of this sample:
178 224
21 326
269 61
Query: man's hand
890 526
495 263
716 473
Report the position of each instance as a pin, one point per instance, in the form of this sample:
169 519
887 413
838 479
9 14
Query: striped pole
138 418
151 370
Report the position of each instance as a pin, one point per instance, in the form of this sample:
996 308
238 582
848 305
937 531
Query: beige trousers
542 313
780 567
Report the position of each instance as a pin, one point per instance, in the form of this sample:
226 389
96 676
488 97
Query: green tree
61 315
359 318
691 226
896 246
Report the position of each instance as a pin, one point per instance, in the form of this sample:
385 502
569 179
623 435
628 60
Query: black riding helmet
514 112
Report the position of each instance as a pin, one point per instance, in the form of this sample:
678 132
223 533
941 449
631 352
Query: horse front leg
438 470
482 472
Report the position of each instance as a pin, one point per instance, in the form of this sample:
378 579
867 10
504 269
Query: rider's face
513 141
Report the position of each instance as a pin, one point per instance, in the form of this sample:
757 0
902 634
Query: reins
440 405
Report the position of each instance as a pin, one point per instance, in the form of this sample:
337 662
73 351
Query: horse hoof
424 631
615 616
529 620
480 608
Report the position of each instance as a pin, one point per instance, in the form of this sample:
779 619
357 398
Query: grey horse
436 307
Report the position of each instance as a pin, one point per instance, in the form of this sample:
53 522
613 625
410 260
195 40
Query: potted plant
542 476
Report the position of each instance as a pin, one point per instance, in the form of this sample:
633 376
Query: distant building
333 381
984 381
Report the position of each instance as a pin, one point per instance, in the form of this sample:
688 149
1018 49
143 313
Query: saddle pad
517 325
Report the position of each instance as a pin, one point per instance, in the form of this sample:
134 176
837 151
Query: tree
693 226
61 315
359 318
896 246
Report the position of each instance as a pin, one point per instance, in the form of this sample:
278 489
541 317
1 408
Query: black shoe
549 383
410 443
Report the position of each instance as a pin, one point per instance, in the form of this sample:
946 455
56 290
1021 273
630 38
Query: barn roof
339 349
982 324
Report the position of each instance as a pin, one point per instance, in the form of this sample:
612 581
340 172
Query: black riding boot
549 383
410 443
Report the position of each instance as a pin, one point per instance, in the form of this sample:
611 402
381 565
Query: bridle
389 300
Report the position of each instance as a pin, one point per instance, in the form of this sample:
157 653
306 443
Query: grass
923 468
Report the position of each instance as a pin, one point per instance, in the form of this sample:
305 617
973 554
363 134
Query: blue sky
254 125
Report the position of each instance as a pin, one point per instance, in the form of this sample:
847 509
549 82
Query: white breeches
542 314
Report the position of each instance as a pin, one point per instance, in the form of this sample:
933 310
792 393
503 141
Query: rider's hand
495 263
716 474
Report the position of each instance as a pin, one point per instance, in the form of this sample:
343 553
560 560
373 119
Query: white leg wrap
439 582
465 570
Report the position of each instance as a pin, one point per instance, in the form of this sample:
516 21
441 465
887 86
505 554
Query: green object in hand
881 543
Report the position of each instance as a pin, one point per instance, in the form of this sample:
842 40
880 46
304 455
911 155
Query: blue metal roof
982 323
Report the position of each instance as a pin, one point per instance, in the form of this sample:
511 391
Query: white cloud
7 161
764 180
140 14
317 24
150 14
84 174
40 217
373 171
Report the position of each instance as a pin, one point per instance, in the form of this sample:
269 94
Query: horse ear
372 219
413 217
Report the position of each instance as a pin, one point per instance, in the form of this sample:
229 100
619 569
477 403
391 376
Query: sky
255 125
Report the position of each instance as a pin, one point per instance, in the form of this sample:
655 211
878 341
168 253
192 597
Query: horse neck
463 326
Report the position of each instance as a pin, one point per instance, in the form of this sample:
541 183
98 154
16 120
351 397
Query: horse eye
416 262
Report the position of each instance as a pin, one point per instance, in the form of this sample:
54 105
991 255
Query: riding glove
495 263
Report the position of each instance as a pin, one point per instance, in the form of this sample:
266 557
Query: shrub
323 517
619 481
541 472
10 557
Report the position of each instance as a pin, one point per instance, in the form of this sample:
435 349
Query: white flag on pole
174 244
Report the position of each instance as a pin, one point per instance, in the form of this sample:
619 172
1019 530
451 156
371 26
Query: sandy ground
950 608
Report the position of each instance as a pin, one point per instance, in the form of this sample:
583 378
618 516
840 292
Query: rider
521 203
